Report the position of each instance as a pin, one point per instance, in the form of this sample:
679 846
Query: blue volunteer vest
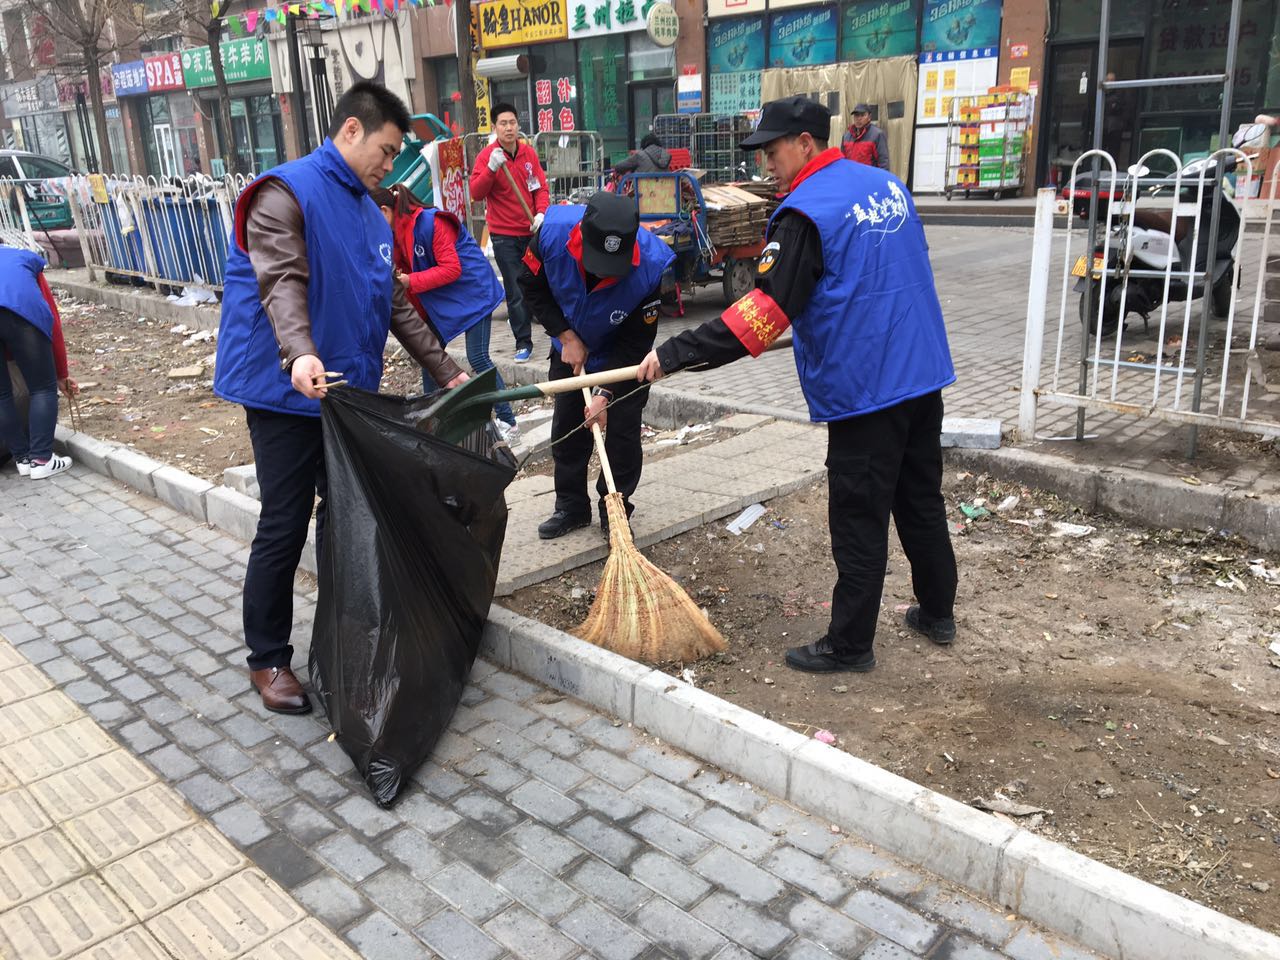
872 334
20 288
594 315
456 307
348 293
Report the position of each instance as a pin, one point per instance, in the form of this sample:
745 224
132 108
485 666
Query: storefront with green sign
256 132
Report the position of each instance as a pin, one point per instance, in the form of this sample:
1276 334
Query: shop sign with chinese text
241 60
506 23
129 79
163 73
591 18
663 24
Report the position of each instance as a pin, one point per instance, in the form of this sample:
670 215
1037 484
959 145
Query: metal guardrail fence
170 233
1198 365
574 163
15 219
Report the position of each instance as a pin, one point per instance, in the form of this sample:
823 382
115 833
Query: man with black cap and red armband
592 278
846 266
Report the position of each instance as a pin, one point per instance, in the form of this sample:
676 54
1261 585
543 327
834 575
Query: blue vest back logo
885 215
385 250
419 250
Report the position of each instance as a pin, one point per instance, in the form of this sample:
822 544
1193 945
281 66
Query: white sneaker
508 432
54 465
24 467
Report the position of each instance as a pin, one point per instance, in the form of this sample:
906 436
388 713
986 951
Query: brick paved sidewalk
539 829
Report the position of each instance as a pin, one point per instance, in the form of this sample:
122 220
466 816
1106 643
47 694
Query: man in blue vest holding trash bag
309 298
593 279
846 266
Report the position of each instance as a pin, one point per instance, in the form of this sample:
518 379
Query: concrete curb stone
1103 908
133 469
233 512
182 491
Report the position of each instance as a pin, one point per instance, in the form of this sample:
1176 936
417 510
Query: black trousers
882 463
289 453
621 443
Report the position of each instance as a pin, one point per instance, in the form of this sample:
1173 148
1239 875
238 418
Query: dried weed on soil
1111 680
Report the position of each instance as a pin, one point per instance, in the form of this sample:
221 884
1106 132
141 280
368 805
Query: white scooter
1157 240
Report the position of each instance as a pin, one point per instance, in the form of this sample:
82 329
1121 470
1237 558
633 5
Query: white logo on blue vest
385 250
617 317
419 250
886 215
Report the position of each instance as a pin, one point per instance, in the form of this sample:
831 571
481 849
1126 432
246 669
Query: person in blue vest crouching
593 279
308 297
449 282
846 266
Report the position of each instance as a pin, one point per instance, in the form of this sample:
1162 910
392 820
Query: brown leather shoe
280 690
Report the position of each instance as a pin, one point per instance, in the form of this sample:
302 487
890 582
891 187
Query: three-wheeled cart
716 232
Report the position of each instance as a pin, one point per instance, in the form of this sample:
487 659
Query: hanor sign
505 23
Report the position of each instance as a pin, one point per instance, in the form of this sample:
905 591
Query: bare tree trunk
93 71
466 79
229 157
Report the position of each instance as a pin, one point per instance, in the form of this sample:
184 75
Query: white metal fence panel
15 220
1153 325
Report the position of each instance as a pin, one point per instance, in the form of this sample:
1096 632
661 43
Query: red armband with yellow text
756 320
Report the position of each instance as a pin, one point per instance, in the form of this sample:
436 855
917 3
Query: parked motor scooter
1137 260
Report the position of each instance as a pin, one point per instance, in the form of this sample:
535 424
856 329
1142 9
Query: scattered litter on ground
974 511
1008 503
1060 528
745 519
1002 804
825 736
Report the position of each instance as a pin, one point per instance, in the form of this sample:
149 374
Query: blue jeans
33 353
509 252
478 357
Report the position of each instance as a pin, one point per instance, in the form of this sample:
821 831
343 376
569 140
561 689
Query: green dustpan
463 410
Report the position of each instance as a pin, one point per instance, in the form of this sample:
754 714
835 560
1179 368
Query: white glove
497 159
537 222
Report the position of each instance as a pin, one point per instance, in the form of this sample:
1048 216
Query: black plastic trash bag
407 571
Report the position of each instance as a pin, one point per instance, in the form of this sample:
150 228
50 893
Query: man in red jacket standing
508 176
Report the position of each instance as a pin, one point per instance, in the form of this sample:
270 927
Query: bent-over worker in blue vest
308 290
592 278
846 266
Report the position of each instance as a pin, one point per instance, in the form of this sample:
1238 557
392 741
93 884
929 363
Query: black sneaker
821 657
560 523
941 631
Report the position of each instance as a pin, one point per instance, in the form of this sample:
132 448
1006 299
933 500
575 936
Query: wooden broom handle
599 437
511 179
586 380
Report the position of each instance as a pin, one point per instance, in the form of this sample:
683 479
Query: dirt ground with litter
149 383
128 369
1110 688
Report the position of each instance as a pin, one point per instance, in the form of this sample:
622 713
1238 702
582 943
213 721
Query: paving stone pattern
540 829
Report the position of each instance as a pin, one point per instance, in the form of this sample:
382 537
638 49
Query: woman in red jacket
449 281
31 335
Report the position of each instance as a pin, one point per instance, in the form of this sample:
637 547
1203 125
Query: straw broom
639 611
